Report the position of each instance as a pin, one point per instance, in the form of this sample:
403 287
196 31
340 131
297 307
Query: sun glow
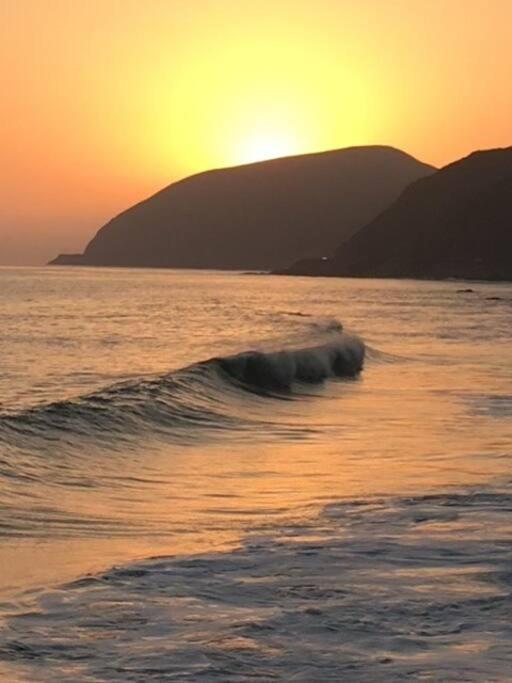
256 100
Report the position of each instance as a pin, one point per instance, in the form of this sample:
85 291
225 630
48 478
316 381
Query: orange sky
106 101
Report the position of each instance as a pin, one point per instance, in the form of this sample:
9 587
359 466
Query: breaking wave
282 369
208 394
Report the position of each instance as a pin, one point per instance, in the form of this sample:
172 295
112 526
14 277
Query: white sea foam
383 590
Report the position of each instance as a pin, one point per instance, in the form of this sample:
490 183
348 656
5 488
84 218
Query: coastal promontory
455 223
260 216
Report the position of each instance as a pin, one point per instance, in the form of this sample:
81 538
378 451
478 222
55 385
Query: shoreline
261 272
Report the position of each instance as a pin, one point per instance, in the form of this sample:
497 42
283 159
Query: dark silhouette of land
260 216
456 223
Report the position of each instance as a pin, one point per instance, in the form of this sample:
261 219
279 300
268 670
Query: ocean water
232 477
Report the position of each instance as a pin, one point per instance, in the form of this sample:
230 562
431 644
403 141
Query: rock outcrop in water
260 216
456 223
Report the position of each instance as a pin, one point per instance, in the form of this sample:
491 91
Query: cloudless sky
106 101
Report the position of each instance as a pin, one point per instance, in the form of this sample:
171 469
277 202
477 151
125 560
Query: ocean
225 477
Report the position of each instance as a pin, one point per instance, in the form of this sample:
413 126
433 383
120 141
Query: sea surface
230 477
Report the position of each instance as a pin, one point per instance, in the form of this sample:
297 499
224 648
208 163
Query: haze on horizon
106 102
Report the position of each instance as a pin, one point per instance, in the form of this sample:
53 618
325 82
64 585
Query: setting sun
268 146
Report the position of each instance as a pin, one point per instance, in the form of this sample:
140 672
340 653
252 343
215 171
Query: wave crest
212 394
281 369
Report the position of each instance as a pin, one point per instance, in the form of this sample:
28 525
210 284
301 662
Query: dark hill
259 216
455 223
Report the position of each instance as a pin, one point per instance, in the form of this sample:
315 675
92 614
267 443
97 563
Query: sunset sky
106 101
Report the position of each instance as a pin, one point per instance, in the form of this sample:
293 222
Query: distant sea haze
218 476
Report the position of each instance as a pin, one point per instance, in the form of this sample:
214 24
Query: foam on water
390 589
